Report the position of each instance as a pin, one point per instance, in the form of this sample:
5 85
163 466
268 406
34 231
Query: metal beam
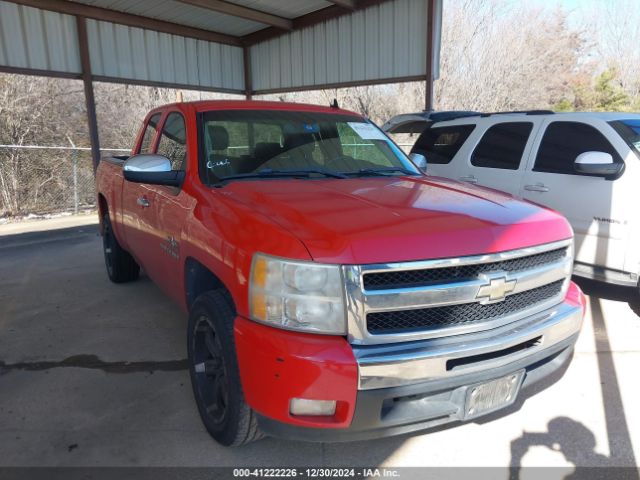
125 81
104 14
240 11
350 4
246 63
313 18
430 43
327 86
154 83
38 72
85 62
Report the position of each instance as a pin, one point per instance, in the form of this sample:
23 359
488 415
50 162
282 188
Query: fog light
304 406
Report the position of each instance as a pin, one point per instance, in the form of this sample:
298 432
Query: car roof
417 122
212 105
606 116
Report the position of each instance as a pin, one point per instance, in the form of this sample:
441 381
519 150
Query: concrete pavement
93 374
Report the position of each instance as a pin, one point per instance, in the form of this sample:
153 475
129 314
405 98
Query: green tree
602 94
608 93
564 105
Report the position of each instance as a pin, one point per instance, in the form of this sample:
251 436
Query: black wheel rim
210 371
107 243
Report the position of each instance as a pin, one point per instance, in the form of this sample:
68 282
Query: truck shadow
571 438
43 239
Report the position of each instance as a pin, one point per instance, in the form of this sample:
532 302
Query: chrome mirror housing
419 161
147 162
152 169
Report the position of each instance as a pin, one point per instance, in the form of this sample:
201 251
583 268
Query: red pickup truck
334 291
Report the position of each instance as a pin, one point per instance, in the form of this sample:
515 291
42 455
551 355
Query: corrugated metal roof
382 41
386 41
181 13
38 39
134 53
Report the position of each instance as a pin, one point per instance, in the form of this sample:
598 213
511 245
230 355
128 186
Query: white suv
585 165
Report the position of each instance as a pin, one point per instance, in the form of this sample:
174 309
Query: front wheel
215 376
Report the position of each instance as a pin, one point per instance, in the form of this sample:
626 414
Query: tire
215 376
121 267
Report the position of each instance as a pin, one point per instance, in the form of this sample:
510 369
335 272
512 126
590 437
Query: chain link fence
38 180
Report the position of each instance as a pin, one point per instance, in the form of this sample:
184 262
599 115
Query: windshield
629 130
260 144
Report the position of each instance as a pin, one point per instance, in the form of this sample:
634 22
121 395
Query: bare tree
615 26
498 55
33 110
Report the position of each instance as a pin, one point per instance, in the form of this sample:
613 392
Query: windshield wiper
268 172
383 171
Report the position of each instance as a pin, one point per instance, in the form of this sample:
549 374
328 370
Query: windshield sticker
366 131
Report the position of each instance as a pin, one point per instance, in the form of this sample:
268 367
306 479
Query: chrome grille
432 276
452 315
407 301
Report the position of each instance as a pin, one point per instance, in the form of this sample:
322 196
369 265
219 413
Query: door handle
469 179
538 187
143 202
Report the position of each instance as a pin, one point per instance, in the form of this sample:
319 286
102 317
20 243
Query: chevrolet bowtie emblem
496 289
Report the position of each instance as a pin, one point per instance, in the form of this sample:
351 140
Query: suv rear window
502 146
564 141
440 144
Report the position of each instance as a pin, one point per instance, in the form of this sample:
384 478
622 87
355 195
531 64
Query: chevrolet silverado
334 291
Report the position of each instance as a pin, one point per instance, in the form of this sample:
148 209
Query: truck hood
392 219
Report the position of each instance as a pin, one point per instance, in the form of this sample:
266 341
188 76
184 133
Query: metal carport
249 47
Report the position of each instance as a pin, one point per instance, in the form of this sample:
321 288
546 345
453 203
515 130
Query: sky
597 18
572 4
573 7
576 8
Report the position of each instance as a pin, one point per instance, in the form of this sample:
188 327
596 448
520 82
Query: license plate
486 397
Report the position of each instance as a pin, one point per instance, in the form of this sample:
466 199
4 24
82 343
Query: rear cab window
146 145
502 146
563 141
173 141
440 144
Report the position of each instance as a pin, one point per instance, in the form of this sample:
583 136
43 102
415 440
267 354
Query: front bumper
398 410
393 365
392 389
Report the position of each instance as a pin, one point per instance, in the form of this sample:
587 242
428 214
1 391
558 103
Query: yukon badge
496 288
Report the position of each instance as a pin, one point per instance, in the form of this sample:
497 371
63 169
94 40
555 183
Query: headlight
296 295
569 267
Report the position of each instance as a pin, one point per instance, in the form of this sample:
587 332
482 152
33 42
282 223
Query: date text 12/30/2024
316 473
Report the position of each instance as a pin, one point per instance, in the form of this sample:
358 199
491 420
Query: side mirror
598 163
152 169
419 161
